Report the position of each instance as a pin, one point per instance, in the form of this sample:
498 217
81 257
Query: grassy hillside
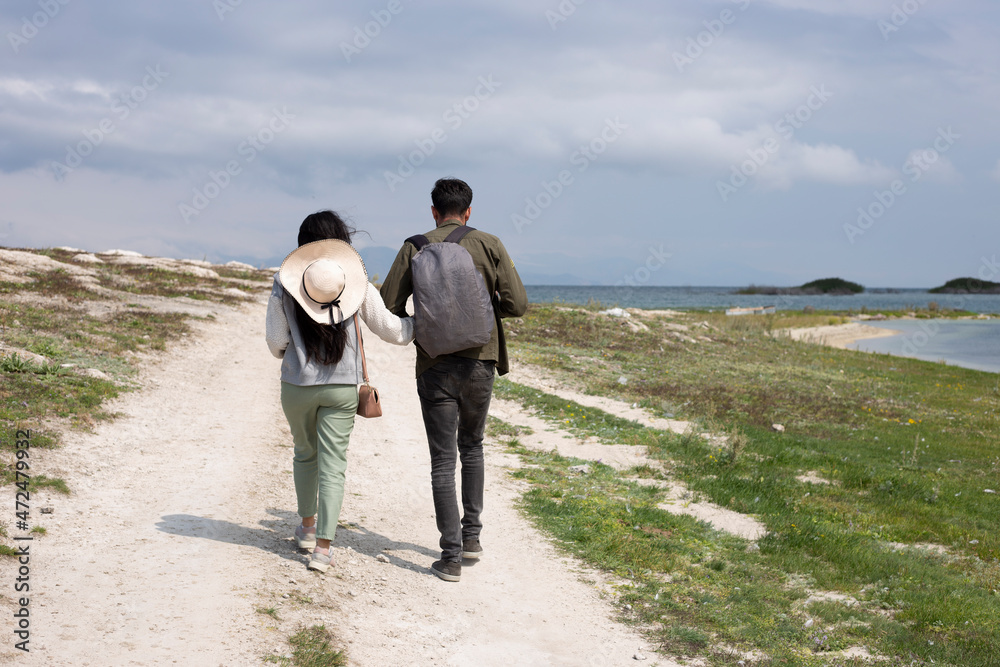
879 497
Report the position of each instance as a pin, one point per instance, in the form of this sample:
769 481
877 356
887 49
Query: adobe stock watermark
31 25
741 174
582 158
714 29
562 13
121 109
900 16
454 117
224 7
642 274
364 35
916 166
248 150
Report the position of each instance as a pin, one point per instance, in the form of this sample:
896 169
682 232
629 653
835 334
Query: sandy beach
839 335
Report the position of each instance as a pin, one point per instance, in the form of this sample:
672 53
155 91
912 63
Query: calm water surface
967 343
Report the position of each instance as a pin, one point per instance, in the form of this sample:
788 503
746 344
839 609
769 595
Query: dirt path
177 533
138 566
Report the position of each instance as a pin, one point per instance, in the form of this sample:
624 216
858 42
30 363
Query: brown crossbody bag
368 401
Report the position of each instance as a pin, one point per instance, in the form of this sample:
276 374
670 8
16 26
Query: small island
967 286
832 286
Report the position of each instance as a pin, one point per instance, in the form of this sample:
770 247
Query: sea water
720 298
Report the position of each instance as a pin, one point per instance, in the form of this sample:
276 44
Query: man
455 389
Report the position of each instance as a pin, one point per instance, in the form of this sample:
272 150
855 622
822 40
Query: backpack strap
419 241
458 234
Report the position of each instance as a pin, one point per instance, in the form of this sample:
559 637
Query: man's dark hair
451 196
324 342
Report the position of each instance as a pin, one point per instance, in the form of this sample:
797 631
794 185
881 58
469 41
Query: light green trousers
321 419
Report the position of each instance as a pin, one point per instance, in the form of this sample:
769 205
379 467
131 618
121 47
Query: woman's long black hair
324 342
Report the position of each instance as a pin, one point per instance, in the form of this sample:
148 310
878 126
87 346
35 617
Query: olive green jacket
497 269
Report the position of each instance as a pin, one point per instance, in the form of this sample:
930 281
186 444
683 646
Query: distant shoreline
889 301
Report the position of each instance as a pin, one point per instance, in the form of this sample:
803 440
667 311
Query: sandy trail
178 529
137 568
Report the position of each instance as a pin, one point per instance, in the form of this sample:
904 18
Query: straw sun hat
327 278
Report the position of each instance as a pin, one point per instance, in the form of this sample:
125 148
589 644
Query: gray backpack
453 310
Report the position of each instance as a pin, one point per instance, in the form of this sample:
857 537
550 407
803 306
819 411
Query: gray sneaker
447 570
305 538
320 562
472 549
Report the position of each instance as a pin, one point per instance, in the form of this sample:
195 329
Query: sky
723 142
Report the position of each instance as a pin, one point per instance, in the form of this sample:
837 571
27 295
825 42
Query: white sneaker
305 538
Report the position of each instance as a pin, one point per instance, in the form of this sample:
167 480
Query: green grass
311 647
905 445
268 611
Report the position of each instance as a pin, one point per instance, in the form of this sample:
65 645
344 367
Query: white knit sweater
282 332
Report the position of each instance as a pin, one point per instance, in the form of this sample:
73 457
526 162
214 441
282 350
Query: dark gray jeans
455 398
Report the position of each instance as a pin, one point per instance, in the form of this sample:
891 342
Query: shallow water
967 343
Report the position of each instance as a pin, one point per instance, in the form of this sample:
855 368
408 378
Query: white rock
197 262
94 373
200 272
809 623
382 558
123 253
780 428
622 380
988 491
581 469
88 258
639 656
615 312
66 248
240 265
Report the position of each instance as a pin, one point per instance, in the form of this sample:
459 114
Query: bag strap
361 348
419 241
458 234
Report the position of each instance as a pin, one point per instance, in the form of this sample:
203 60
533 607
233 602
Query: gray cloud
403 97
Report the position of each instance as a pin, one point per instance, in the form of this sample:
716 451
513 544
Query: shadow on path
275 536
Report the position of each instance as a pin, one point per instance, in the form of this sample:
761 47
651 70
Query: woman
316 296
